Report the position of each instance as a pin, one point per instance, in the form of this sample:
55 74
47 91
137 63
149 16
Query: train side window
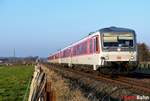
77 49
91 46
80 49
74 51
85 48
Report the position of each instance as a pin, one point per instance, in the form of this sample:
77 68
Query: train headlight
106 57
132 57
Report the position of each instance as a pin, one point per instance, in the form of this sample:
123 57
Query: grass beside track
14 81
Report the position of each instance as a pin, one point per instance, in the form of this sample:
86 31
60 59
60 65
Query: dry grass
61 87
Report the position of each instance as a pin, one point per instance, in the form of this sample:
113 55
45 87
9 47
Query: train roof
108 29
116 29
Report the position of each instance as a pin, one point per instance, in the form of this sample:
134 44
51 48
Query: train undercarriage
112 68
118 67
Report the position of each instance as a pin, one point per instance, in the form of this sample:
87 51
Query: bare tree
143 52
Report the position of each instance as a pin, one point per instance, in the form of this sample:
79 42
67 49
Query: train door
96 46
59 57
96 50
69 57
71 54
91 46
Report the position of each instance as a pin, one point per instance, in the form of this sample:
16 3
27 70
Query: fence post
50 94
48 90
53 96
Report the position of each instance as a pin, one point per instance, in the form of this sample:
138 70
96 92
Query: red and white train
111 47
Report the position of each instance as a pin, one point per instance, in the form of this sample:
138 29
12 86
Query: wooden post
45 94
53 96
48 87
48 90
50 94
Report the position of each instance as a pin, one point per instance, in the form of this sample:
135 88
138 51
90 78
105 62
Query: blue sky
40 27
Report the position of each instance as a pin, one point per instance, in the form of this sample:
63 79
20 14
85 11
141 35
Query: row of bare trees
143 52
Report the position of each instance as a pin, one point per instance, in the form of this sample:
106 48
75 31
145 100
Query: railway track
130 83
134 81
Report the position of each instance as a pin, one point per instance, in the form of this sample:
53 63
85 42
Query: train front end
119 48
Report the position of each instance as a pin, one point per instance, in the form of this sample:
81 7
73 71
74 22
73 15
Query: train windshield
118 39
